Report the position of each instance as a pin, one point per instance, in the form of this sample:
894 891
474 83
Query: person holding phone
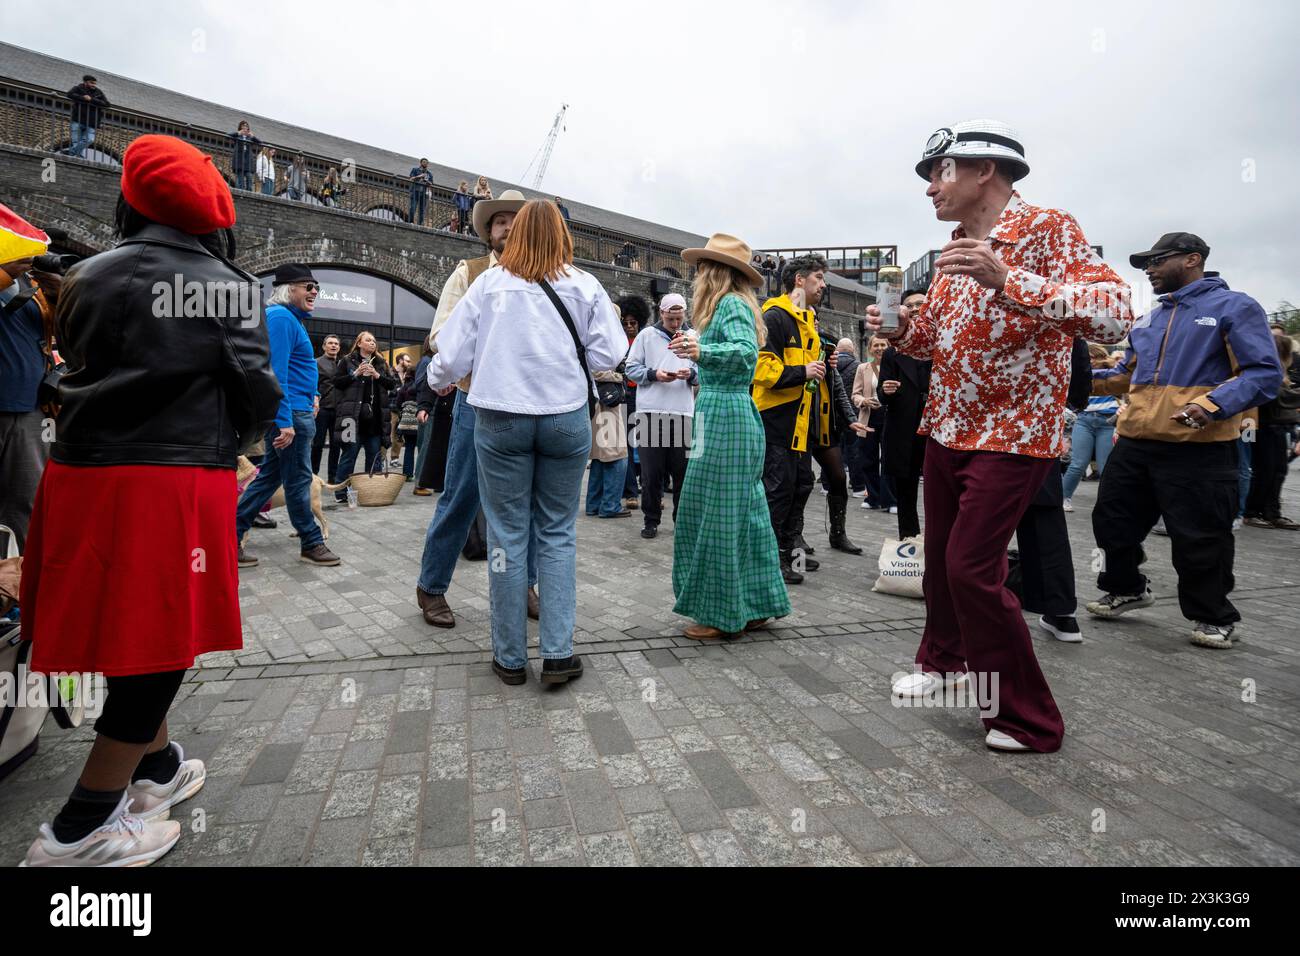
361 420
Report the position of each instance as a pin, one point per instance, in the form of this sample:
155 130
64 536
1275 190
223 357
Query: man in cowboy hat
1012 290
459 504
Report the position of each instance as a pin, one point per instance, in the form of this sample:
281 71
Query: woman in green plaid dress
726 567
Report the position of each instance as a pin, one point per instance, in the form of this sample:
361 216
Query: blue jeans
417 207
530 470
458 506
1244 473
290 467
244 181
605 486
82 137
348 460
1092 437
268 187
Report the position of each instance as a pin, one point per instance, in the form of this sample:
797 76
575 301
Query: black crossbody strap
577 344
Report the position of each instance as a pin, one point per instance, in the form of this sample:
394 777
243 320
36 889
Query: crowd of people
720 406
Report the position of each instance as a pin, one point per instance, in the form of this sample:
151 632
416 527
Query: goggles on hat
942 140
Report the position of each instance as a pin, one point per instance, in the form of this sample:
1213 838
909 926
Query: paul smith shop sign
346 298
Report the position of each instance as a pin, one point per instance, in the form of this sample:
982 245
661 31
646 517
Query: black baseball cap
294 272
1170 242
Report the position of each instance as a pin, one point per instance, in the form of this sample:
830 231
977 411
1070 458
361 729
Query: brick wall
80 197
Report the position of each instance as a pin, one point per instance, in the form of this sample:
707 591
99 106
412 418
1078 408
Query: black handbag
577 344
612 394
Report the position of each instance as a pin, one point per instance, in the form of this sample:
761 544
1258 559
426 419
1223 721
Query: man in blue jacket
1195 364
288 443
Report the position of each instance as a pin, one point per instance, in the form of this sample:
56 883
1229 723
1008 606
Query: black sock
159 766
84 813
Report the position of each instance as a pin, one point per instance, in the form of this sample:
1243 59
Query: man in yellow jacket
790 360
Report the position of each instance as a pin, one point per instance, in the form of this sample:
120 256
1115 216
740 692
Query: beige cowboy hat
512 200
728 250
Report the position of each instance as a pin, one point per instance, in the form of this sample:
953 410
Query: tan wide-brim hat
512 200
728 250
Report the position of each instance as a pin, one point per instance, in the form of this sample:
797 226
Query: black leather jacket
148 384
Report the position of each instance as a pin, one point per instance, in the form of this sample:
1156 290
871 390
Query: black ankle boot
839 540
788 573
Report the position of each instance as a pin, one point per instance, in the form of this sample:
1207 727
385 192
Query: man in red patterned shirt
1011 291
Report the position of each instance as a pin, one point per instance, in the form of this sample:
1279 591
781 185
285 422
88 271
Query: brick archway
346 254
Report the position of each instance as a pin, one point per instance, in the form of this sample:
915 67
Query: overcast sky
786 123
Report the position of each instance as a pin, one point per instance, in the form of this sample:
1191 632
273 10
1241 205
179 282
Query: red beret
171 182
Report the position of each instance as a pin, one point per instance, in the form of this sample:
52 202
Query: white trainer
123 840
1067 505
997 740
917 684
155 800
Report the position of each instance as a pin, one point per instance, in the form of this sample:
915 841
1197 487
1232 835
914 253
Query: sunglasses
1156 260
311 286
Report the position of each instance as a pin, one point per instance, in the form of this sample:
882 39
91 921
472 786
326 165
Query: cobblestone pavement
348 732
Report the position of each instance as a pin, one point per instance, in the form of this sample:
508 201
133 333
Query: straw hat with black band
512 200
728 250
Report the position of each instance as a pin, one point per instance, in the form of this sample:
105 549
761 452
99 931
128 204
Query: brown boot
320 556
435 609
758 624
534 605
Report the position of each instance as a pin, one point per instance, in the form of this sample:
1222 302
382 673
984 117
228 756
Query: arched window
350 302
387 213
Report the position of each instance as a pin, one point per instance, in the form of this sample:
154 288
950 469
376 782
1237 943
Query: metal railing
39 118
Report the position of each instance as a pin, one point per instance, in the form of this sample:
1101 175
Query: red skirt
130 569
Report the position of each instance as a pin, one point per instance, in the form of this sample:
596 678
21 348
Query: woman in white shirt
533 432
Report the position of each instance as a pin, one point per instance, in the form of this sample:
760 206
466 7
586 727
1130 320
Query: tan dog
246 471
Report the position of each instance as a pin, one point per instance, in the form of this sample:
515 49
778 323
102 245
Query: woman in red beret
130 566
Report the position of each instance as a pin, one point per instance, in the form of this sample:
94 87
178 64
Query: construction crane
545 151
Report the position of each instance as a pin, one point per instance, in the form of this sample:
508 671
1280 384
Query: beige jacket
609 427
452 292
865 382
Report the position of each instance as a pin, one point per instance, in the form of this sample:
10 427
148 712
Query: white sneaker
997 740
893 511
1067 505
1236 524
1113 605
1214 636
822 490
867 505
123 840
917 684
155 800
859 494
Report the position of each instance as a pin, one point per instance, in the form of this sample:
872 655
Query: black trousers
1193 486
661 442
1046 564
906 487
324 426
136 706
788 481
1268 463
